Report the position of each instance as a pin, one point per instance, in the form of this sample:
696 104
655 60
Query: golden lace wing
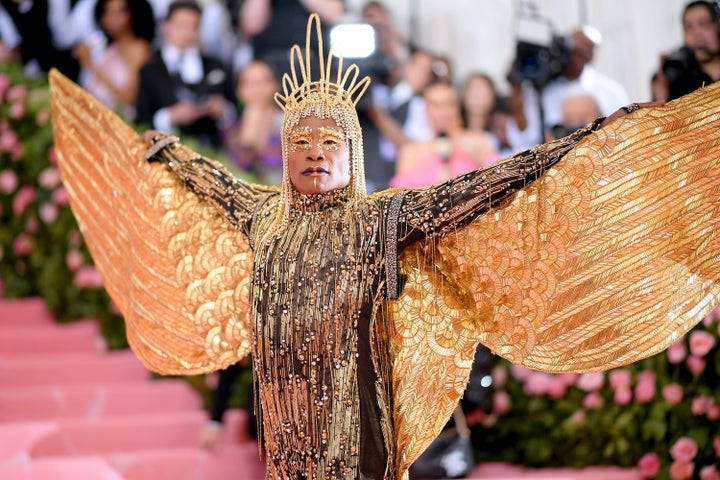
434 332
176 268
608 258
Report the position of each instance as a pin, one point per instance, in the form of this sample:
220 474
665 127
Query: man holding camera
697 63
540 78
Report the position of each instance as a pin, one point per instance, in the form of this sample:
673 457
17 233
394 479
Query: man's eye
331 143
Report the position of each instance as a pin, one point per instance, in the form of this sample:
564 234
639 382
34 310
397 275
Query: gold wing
607 259
176 268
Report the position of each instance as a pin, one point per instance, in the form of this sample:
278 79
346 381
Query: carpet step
90 401
237 462
82 336
24 311
80 368
71 468
122 434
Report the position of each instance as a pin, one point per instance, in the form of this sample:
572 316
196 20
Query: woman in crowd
453 149
253 143
128 27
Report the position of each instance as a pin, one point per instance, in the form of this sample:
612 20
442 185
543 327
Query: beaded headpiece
333 94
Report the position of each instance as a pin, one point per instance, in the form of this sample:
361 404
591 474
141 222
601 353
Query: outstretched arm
209 179
439 209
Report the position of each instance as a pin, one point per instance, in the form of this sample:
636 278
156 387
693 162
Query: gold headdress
334 94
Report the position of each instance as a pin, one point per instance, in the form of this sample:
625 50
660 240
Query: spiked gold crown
297 86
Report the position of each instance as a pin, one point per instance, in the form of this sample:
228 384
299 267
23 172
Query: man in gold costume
363 312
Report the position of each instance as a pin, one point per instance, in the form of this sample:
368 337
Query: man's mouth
315 171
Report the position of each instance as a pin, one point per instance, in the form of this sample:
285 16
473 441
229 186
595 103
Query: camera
679 62
540 54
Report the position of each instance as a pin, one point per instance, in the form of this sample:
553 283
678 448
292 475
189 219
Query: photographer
536 100
697 62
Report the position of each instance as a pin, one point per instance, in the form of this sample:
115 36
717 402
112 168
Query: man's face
700 33
319 156
182 29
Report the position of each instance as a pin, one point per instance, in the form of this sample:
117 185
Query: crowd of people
209 70
188 67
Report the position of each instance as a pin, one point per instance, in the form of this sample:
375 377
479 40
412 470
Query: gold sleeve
174 265
233 198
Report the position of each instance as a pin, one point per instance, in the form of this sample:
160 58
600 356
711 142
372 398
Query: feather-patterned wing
612 255
177 270
608 258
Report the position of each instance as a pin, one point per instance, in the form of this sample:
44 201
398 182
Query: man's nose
316 153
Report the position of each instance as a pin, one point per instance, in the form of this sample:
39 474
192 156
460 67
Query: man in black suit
182 89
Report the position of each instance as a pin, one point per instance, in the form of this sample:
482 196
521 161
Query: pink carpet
71 410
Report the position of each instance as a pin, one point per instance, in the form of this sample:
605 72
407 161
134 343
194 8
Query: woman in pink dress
454 150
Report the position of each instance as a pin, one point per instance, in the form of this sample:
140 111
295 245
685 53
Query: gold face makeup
327 139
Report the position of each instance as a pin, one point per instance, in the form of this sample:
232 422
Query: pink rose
696 364
52 156
499 376
520 373
644 391
8 140
578 417
716 446
701 343
87 277
673 393
8 181
677 352
557 387
16 93
713 411
60 196
536 384
49 178
4 84
48 213
681 470
42 117
589 382
646 376
623 396
73 260
593 400
700 404
17 152
114 308
31 225
211 380
709 472
23 198
649 465
620 378
23 245
75 238
569 378
501 402
17 110
684 449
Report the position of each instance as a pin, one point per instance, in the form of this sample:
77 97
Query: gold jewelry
333 94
